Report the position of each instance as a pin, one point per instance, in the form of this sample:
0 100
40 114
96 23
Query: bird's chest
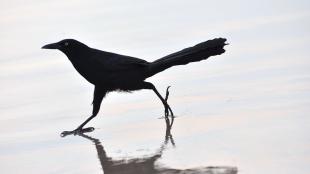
90 70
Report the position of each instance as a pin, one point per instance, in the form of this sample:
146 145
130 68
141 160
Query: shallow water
245 111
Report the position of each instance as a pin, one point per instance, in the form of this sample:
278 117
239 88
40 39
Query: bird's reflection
146 165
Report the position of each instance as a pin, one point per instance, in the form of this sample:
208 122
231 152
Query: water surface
245 111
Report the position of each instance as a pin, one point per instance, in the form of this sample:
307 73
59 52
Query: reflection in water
146 165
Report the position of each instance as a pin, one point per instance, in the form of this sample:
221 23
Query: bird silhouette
114 72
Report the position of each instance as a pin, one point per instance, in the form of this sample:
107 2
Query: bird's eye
66 43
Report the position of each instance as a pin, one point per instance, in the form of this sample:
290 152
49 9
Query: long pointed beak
51 46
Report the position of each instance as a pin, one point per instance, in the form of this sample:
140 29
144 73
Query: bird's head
67 46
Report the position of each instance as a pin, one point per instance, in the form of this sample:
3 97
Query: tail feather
196 53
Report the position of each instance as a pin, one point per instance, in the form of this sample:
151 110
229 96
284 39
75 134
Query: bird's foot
168 112
167 107
77 131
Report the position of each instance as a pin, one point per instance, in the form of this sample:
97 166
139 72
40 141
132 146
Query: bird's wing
116 62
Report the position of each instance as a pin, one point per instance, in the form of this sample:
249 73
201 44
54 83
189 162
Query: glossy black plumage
114 72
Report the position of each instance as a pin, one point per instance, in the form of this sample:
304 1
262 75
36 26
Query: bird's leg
80 129
164 101
99 93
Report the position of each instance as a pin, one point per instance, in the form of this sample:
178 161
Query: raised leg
99 94
149 85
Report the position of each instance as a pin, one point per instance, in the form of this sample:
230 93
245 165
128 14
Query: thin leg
99 94
149 85
166 99
85 122
166 105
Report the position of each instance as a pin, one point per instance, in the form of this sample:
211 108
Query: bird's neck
77 53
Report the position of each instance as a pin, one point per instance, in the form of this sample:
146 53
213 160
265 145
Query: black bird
114 72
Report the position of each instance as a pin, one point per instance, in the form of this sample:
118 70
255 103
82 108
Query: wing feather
116 62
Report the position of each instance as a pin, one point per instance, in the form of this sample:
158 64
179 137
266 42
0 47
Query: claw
65 133
77 131
89 129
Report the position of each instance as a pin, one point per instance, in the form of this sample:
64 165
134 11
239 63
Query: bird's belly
112 80
109 78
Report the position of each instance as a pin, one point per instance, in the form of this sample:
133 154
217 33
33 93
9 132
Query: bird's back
111 70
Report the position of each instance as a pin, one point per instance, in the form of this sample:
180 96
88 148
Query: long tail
192 54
